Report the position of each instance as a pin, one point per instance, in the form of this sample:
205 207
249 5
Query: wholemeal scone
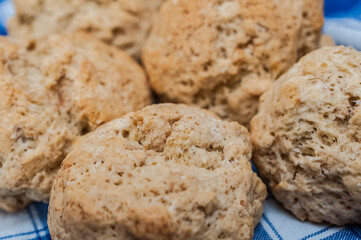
307 137
165 172
222 55
52 91
123 23
327 41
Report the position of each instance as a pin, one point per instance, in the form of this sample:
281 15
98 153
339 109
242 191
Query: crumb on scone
165 172
307 137
122 23
222 55
53 90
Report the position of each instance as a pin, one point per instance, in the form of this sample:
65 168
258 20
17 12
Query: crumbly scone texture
52 91
223 54
167 172
307 137
123 23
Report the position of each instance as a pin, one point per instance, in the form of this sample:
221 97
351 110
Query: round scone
123 23
307 137
222 55
165 172
52 91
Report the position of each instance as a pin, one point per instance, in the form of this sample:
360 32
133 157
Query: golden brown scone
52 91
123 23
222 55
307 137
327 41
165 172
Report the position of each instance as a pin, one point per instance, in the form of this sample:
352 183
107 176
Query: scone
123 23
165 172
52 91
222 55
307 137
327 41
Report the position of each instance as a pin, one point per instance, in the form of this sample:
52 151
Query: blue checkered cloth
343 23
29 223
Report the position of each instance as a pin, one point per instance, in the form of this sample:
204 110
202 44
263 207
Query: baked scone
327 41
307 137
222 55
165 172
123 23
52 91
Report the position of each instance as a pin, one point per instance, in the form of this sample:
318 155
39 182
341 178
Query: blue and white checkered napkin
343 23
29 223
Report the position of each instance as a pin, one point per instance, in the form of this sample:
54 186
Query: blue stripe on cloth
260 233
345 234
316 233
353 12
46 237
356 229
336 6
42 211
254 168
33 221
272 227
2 30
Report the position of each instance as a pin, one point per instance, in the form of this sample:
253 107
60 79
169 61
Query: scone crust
222 55
327 41
307 137
53 90
165 172
122 23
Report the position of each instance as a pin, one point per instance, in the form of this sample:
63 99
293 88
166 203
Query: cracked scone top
307 137
52 91
222 55
165 172
123 23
